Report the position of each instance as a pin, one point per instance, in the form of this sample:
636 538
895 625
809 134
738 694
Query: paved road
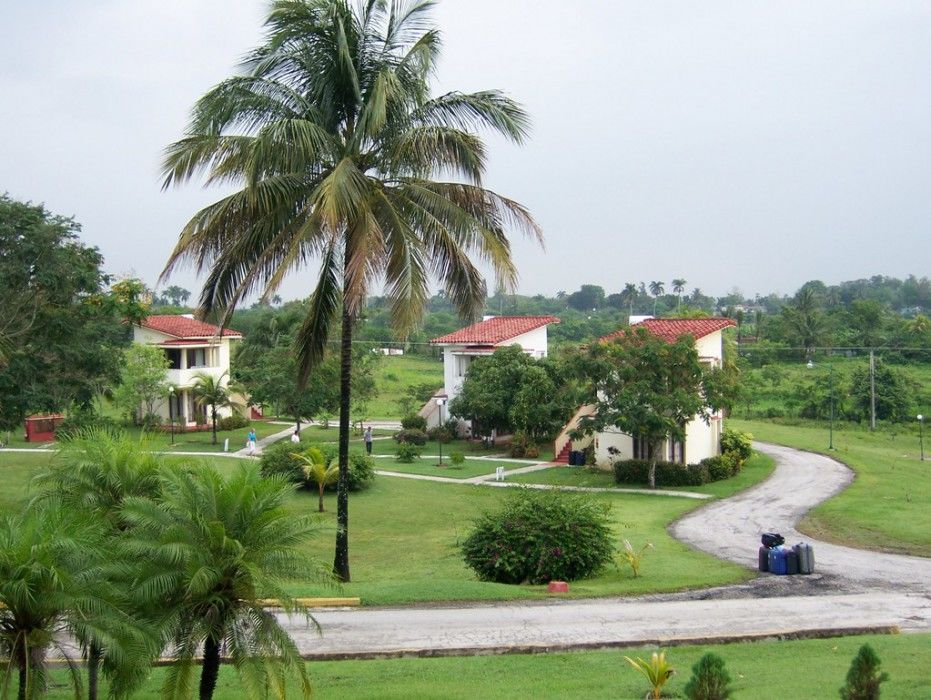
730 528
856 590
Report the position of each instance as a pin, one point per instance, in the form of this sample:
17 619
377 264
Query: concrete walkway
854 591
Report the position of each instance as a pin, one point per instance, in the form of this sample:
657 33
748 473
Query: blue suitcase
777 561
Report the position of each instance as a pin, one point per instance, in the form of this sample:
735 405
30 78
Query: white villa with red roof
192 347
702 439
461 347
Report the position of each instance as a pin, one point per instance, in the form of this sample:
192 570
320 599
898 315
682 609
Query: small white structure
461 347
192 347
702 439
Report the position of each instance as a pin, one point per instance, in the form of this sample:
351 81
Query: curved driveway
851 590
730 528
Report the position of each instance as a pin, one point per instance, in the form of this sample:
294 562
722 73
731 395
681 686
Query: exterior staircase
563 457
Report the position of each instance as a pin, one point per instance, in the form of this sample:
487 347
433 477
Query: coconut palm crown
336 147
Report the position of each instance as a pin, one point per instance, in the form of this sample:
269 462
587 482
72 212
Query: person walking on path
251 440
368 440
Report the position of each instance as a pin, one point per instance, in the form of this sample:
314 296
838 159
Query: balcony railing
187 377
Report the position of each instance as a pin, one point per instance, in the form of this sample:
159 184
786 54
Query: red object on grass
558 587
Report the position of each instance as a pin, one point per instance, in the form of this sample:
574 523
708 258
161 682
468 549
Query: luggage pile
777 559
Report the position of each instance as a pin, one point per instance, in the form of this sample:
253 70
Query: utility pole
872 390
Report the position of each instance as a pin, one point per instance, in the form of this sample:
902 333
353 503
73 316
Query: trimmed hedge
637 471
233 422
276 459
537 537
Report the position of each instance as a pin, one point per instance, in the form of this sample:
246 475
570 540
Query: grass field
394 374
888 506
759 671
404 536
428 465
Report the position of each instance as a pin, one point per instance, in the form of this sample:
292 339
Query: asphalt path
852 590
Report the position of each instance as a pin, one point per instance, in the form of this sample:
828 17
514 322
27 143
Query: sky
745 144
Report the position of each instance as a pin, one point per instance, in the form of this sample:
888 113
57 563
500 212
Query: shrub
441 433
864 676
722 466
414 422
457 459
361 472
407 452
636 471
709 681
736 442
411 436
538 537
523 446
233 422
81 419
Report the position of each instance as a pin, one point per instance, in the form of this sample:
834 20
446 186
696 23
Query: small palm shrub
407 453
864 676
657 671
709 681
633 557
276 460
536 537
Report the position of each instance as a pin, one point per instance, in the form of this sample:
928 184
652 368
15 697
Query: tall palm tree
630 293
334 141
678 286
212 392
656 289
317 470
214 549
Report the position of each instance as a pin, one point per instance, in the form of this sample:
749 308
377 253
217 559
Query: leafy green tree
53 584
143 385
510 390
212 549
60 331
864 677
333 138
589 296
645 387
804 321
894 395
212 392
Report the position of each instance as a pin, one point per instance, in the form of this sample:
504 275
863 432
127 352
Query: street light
921 437
831 384
440 403
171 415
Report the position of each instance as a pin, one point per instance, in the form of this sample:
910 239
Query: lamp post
171 414
921 437
440 403
831 386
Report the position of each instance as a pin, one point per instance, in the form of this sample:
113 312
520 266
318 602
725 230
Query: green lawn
888 506
428 465
392 377
404 535
759 670
757 468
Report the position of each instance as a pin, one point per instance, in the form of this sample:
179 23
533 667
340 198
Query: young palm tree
212 549
95 470
317 470
52 585
214 393
335 143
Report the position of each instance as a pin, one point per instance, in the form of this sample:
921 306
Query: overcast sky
749 144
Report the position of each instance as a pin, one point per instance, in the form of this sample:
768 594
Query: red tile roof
495 330
671 329
184 327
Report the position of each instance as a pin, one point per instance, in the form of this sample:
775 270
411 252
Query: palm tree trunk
341 558
213 416
94 656
321 486
211 668
23 682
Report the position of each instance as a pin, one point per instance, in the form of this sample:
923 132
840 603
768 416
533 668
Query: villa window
642 448
197 357
174 359
677 451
